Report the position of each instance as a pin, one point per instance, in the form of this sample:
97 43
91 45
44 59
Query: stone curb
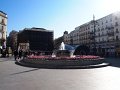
60 67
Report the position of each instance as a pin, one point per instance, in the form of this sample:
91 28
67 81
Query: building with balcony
107 34
35 39
80 36
102 34
3 29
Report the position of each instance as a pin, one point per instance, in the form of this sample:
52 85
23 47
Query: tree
12 39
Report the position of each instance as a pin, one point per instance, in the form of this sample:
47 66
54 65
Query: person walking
15 54
25 53
20 54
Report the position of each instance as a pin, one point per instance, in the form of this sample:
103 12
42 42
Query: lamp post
94 41
94 34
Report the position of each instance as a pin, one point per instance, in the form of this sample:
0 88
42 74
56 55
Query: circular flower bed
79 60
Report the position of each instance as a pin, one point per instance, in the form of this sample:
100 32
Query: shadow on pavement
115 62
25 71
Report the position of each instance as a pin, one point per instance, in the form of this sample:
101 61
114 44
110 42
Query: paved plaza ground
15 77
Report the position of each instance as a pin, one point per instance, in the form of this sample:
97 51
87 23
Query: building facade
35 39
3 29
108 34
102 35
81 35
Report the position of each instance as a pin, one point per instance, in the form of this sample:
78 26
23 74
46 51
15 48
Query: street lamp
94 41
94 33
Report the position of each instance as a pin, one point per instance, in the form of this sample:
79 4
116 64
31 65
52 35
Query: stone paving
15 77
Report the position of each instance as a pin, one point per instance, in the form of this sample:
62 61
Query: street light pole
94 23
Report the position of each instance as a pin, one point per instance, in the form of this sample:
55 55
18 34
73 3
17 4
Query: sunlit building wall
80 36
107 35
3 29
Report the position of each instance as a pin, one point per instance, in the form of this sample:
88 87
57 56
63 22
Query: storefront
23 46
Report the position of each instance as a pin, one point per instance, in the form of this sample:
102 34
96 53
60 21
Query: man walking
15 54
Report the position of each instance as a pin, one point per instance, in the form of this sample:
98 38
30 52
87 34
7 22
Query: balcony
110 28
91 33
110 33
92 37
3 22
116 23
117 31
101 42
111 39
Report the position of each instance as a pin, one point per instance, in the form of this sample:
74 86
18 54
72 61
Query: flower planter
64 61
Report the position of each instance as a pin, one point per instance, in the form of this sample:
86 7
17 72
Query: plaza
60 45
16 77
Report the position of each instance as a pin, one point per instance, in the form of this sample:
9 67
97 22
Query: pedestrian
25 53
15 54
20 54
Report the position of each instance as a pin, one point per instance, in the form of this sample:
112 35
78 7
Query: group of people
19 54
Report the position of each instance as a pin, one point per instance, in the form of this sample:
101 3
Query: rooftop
36 29
3 14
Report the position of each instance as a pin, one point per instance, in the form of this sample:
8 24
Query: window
98 24
102 39
106 21
106 26
102 23
117 38
116 23
2 28
99 34
117 30
111 19
99 40
102 33
116 18
3 21
102 29
98 29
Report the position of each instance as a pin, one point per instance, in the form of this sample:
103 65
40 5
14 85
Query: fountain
72 53
64 57
62 52
62 46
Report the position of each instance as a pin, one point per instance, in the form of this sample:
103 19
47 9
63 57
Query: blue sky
57 15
